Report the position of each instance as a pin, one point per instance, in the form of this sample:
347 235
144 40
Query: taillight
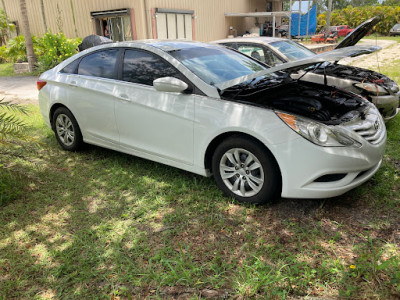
40 84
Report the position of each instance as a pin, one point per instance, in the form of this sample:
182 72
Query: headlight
372 88
318 133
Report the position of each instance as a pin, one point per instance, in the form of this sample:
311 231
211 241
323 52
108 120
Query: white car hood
334 55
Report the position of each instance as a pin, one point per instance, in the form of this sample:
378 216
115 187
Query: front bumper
304 164
387 105
312 171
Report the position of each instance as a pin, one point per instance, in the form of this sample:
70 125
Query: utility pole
290 22
328 18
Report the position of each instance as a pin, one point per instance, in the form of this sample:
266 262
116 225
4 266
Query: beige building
201 20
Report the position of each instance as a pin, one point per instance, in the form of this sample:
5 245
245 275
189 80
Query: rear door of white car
152 122
90 96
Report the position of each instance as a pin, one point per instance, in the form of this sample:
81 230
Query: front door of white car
149 121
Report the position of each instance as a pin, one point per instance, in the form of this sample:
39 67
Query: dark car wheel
245 170
66 129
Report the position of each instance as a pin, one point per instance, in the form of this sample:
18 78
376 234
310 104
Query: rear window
71 68
99 64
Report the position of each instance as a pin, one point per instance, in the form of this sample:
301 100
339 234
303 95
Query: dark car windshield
215 65
292 50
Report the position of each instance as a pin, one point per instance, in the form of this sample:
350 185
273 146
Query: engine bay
323 103
356 74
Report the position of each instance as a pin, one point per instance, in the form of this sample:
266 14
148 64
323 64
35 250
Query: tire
245 170
66 129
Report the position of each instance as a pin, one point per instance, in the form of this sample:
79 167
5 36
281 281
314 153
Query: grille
372 129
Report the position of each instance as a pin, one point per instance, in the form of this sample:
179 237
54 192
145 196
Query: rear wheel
67 130
245 170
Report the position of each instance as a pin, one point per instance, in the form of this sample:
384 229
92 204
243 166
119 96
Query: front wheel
245 170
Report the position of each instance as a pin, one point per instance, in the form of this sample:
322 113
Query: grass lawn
7 69
382 37
101 224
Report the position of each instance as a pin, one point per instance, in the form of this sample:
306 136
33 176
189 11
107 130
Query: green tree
357 3
3 28
338 4
391 3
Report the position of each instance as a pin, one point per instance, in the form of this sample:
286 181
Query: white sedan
211 110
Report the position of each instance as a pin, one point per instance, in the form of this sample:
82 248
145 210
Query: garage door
174 26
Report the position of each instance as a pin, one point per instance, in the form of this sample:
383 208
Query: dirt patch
384 57
19 89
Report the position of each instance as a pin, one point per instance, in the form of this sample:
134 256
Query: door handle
72 83
124 98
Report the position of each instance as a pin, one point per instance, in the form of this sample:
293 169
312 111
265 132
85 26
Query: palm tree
28 39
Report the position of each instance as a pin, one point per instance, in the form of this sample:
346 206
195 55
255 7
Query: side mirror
170 84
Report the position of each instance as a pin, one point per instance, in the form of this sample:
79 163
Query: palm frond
12 106
10 124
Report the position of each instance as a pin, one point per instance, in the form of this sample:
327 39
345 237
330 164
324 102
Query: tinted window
99 64
71 68
143 67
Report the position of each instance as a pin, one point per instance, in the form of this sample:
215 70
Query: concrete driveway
20 89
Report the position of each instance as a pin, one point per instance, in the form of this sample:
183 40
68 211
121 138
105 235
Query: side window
252 51
262 54
143 67
99 64
230 45
271 58
71 68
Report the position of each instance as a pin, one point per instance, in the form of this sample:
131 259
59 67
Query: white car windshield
292 50
216 65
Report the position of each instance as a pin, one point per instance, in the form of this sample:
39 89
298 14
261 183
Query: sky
304 6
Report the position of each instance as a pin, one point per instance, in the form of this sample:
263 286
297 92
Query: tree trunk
8 24
43 16
28 38
328 18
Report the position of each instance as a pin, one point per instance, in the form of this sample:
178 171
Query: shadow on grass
99 223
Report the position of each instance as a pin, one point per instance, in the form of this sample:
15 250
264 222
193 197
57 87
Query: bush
354 16
53 49
3 54
16 50
50 50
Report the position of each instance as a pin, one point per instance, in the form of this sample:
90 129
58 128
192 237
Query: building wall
73 16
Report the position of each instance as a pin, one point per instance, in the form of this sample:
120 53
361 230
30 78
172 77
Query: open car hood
357 34
334 55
